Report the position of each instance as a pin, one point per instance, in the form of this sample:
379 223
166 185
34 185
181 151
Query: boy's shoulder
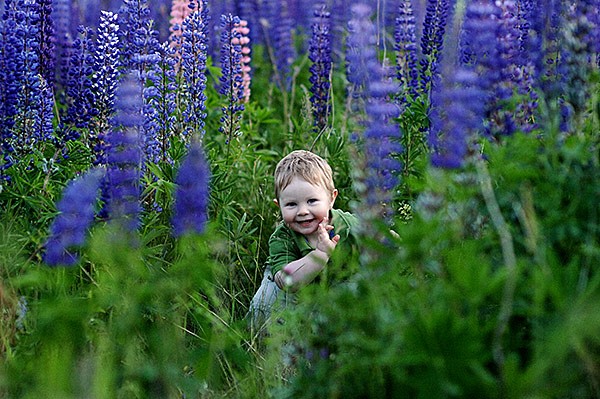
346 218
344 223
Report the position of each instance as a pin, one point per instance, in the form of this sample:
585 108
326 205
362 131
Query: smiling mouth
305 222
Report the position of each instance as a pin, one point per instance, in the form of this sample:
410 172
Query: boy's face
304 205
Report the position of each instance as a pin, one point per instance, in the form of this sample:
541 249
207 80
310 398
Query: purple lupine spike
213 30
105 81
193 69
339 25
301 13
124 156
515 74
320 54
89 12
160 105
577 51
32 118
361 49
140 51
406 50
159 13
380 141
47 38
46 111
283 44
501 120
192 193
432 41
278 29
138 38
10 77
551 71
248 11
456 118
62 20
69 229
460 107
79 94
231 80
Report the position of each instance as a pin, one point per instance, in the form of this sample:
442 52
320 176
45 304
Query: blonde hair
306 165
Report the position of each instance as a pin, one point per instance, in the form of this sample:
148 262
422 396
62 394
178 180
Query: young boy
312 231
312 237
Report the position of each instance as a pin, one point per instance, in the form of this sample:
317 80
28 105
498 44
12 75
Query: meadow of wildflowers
138 142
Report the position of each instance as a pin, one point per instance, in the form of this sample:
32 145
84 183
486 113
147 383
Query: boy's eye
312 200
290 204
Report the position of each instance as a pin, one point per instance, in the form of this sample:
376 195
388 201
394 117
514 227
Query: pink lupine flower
180 9
244 41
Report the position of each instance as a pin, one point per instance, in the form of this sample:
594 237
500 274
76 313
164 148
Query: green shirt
286 245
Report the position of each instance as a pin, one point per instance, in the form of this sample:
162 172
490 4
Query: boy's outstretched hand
324 242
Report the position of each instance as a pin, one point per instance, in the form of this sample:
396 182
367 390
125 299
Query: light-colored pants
268 298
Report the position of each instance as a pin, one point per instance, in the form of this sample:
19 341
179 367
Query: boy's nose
302 210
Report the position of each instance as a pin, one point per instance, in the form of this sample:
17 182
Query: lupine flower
193 69
192 193
64 41
545 22
10 69
180 9
460 106
89 13
46 111
213 30
500 61
138 38
124 157
47 39
432 41
105 81
320 54
577 50
456 119
159 118
517 76
339 25
79 95
244 32
380 142
248 12
141 52
278 27
491 47
10 78
32 118
69 229
301 14
231 82
406 50
361 49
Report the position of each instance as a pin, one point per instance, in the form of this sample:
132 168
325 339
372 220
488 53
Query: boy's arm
304 270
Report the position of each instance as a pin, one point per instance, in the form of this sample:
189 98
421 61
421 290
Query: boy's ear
276 202
334 195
